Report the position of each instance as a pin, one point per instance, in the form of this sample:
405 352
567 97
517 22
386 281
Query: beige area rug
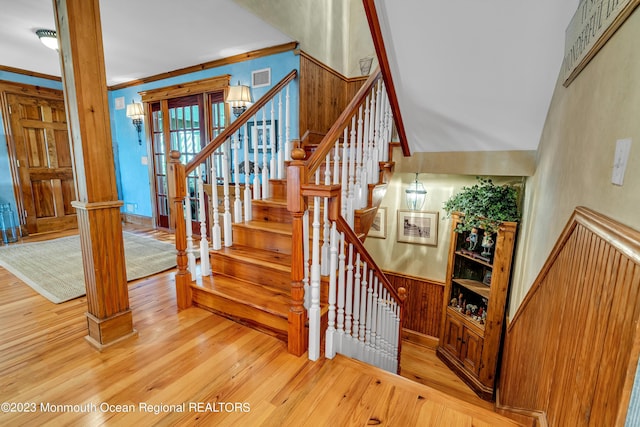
53 268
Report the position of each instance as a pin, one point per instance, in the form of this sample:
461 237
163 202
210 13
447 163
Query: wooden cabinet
474 305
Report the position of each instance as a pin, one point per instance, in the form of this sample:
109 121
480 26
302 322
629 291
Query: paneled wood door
44 160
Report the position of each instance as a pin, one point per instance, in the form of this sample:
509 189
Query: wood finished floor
195 357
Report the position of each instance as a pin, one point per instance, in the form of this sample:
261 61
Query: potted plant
484 205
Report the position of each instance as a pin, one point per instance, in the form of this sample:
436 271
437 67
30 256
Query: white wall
575 156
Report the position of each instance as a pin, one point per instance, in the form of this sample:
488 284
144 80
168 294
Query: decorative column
109 317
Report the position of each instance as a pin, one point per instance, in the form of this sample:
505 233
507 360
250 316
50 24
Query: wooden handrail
351 237
236 125
327 143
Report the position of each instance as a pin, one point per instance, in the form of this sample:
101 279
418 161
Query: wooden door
44 160
471 351
452 335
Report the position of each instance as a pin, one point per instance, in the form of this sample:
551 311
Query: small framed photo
379 226
260 135
418 227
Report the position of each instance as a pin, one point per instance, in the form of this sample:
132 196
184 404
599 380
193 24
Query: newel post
297 341
402 294
176 180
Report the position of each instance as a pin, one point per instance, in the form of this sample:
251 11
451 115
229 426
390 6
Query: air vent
261 78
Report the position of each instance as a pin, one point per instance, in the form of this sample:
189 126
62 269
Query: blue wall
6 183
134 185
132 176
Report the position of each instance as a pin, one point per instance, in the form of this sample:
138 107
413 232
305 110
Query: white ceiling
474 75
470 75
141 38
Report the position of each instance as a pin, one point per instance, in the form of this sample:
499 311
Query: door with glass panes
179 124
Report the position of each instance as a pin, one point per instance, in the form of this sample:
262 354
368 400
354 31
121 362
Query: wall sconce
239 97
136 113
365 65
415 195
48 38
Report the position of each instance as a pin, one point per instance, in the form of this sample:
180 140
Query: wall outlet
144 160
620 158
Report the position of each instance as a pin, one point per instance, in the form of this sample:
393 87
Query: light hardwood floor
217 371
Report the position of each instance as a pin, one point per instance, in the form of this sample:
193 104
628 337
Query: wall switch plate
119 103
623 147
144 160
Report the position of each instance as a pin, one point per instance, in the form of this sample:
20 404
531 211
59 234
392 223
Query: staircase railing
245 155
323 194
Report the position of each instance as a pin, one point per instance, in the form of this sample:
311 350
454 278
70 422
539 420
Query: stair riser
251 272
271 213
245 314
262 239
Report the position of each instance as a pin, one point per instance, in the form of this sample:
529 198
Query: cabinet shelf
474 286
465 254
476 326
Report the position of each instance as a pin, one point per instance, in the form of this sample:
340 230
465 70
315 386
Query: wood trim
328 69
130 218
30 73
183 89
420 339
572 348
383 60
211 64
30 90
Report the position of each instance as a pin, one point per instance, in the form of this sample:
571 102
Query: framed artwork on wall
418 227
379 226
256 133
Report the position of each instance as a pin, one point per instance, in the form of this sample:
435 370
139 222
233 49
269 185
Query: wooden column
297 341
176 176
109 317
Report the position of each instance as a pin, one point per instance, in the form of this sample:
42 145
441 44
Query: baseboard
130 218
420 339
528 417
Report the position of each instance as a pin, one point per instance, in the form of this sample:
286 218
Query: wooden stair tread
254 295
270 202
276 260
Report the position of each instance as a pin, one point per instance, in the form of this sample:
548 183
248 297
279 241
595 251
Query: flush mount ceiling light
48 38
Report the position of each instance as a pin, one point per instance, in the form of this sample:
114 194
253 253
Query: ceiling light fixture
48 38
415 195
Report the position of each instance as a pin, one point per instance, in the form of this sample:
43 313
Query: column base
106 332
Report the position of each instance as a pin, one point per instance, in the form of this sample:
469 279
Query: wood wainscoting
423 307
571 350
324 94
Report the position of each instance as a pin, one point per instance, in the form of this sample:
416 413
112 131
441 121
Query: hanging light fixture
48 38
239 97
415 195
136 113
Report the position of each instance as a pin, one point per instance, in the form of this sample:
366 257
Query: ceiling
469 75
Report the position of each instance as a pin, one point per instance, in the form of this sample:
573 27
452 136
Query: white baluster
372 306
314 309
362 338
237 202
330 345
216 239
265 160
326 230
361 160
373 168
336 162
228 238
287 137
372 129
280 141
341 291
344 181
205 268
247 172
254 144
191 258
352 177
352 296
357 287
272 142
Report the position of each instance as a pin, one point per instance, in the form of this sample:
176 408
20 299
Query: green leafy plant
484 205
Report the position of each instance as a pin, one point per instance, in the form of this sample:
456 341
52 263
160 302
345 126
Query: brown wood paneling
324 94
570 347
423 306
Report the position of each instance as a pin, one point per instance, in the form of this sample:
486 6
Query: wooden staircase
251 280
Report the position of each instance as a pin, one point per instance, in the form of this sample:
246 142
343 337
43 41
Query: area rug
53 268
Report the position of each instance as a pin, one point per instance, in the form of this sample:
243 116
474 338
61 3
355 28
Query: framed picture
418 227
256 133
379 226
